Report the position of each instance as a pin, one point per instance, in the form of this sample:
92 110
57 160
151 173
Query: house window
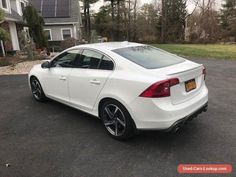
66 33
4 4
48 34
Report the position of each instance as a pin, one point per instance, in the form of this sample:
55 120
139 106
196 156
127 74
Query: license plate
190 85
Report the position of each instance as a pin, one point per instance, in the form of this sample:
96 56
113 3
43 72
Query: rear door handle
95 82
63 78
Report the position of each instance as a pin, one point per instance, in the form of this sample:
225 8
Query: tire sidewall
130 126
42 97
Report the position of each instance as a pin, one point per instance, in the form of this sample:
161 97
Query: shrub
4 62
67 43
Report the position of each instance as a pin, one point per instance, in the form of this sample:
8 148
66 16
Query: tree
87 20
173 20
228 18
203 24
204 28
4 35
112 18
147 21
103 22
119 19
35 24
135 21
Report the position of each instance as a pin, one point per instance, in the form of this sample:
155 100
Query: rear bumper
161 114
178 124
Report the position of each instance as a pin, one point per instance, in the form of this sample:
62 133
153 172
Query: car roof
110 45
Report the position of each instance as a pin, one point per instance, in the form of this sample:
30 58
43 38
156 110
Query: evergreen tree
173 20
87 19
4 35
35 24
228 17
103 22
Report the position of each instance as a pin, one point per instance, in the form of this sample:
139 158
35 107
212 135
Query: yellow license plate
190 85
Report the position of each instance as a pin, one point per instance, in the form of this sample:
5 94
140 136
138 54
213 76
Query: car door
88 78
55 80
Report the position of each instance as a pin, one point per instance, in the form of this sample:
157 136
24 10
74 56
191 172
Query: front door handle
95 82
63 78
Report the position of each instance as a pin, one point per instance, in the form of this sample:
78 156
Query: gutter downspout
3 49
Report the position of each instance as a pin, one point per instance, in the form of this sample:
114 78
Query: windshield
148 57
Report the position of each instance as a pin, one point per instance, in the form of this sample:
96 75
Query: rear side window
89 59
148 57
106 64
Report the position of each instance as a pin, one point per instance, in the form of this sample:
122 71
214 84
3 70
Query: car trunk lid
188 73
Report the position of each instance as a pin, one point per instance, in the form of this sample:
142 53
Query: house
62 19
13 21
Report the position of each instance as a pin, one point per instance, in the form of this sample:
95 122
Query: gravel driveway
20 68
53 140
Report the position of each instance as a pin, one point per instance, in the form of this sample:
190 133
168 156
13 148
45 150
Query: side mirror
45 64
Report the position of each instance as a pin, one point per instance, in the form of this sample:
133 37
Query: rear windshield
148 57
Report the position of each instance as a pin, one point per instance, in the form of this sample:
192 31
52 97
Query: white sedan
129 86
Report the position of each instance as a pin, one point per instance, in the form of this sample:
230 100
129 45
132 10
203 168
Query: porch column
14 36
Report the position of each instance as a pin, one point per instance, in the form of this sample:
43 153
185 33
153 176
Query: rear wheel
117 120
37 90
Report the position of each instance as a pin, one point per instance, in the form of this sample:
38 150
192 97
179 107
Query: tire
117 120
37 90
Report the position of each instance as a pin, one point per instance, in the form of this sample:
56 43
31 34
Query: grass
217 51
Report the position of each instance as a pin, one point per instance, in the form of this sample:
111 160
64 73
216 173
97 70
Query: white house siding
8 9
18 6
14 36
15 5
56 31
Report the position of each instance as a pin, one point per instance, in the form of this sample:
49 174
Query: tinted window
65 59
106 64
89 59
148 57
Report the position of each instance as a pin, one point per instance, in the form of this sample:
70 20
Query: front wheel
117 120
37 90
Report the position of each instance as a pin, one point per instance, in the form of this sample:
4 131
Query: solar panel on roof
63 8
48 9
53 8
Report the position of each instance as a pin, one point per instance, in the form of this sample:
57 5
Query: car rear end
182 96
165 104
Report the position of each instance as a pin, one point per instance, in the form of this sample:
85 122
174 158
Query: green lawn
216 51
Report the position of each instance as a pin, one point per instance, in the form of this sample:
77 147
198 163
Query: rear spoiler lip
186 70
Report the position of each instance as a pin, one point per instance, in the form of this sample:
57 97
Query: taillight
204 73
160 89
